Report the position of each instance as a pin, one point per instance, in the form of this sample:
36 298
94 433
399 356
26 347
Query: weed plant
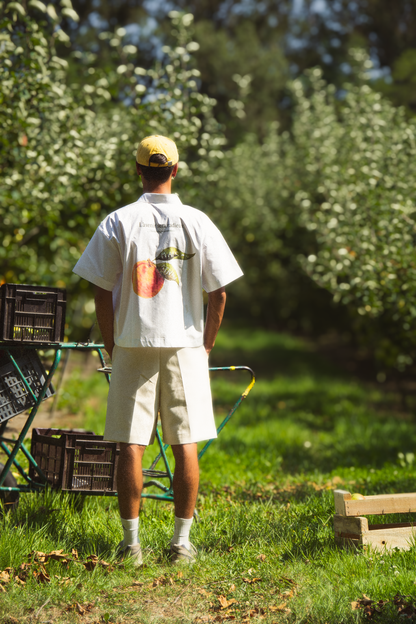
265 538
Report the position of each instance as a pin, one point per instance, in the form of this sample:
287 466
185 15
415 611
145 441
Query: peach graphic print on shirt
149 276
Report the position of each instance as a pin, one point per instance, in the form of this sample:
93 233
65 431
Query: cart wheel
8 500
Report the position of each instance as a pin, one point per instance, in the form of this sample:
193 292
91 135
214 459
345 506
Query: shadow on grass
63 519
383 445
267 353
301 409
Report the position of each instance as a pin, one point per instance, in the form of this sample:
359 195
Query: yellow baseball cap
157 144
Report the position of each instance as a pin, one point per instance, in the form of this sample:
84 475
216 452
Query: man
150 261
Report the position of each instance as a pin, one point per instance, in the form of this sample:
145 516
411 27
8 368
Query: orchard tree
356 158
67 151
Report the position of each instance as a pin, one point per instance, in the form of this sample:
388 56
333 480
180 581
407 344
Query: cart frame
12 447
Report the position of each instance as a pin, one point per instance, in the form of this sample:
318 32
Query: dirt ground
43 420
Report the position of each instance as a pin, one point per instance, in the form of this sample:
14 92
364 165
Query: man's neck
165 187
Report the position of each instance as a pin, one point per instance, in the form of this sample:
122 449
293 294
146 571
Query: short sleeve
219 267
101 262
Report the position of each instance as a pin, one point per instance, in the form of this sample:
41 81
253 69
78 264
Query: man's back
156 255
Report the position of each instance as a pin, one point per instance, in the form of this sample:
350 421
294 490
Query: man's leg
129 488
185 479
130 479
185 492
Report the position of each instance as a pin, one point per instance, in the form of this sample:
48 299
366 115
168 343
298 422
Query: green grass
266 506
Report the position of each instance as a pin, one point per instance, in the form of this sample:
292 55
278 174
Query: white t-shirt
156 255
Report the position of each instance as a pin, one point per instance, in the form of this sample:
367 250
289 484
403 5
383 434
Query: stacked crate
351 527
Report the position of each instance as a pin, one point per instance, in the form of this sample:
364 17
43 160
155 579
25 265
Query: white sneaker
134 552
182 554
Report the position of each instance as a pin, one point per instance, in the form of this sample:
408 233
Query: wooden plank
395 525
340 496
381 504
351 526
386 539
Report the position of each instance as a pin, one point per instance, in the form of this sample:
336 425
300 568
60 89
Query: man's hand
105 317
215 312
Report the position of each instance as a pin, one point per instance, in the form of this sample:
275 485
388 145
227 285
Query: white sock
131 531
181 534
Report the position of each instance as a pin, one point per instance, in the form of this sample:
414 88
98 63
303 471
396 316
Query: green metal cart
88 464
70 460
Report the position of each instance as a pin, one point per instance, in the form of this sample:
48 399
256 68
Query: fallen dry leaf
91 562
367 605
137 584
285 579
90 565
288 594
251 580
261 557
222 617
79 608
4 576
56 553
42 576
232 588
162 580
37 556
362 602
406 609
226 603
256 611
2 589
281 607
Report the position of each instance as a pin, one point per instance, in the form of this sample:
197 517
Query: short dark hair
156 174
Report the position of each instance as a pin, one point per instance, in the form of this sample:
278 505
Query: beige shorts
146 381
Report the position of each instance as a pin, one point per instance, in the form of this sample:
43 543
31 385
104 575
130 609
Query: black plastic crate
32 314
75 461
14 396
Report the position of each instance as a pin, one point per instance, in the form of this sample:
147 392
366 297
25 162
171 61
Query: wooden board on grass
374 505
352 529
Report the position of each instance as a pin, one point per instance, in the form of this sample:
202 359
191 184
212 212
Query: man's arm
215 312
105 317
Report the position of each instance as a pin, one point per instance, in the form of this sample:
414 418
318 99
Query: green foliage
250 205
67 151
401 90
334 199
249 194
326 208
246 86
356 160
